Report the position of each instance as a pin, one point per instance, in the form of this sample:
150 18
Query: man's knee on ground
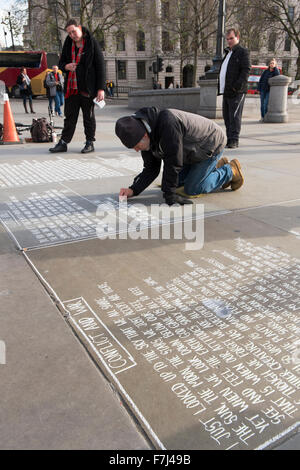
192 189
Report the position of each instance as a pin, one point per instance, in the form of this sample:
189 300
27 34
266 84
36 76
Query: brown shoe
237 178
222 162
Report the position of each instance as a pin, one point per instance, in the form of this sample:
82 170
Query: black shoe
59 147
89 147
232 144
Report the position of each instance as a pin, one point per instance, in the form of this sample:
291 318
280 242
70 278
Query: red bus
254 77
37 64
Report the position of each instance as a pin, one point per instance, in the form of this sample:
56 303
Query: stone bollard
210 101
277 107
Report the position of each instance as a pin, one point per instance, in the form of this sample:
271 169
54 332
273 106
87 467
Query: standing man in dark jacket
83 63
191 148
233 80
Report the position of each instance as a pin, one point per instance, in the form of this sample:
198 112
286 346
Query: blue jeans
59 101
25 98
264 100
51 99
204 177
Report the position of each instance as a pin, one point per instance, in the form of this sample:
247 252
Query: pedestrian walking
24 83
59 80
50 98
264 87
112 88
191 148
107 89
233 85
53 82
83 63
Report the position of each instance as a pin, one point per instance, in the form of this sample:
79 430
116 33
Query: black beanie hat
130 131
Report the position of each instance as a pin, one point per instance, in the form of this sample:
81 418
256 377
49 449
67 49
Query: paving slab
52 395
202 344
284 216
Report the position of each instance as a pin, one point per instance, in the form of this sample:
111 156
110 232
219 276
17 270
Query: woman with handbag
25 89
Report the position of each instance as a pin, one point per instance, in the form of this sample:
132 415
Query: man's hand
172 199
126 192
71 66
100 95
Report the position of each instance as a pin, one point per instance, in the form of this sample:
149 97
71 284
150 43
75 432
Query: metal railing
123 90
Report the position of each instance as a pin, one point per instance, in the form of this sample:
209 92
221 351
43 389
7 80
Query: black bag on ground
41 131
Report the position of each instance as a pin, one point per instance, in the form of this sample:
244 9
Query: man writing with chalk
190 147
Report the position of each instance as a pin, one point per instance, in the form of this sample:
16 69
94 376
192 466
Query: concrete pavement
54 395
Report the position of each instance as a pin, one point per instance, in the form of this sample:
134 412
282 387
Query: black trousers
232 115
73 104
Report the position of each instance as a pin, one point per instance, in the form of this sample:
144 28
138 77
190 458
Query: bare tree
15 19
47 18
191 24
285 16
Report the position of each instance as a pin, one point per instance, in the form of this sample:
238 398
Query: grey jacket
51 82
178 138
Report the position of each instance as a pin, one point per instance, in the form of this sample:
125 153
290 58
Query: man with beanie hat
191 148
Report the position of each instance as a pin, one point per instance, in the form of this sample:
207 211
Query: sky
5 6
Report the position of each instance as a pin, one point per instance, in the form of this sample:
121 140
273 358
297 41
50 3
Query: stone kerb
186 99
277 107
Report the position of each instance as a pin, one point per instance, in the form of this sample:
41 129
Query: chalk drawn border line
95 237
70 317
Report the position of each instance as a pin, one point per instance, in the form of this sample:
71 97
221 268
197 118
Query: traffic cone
10 135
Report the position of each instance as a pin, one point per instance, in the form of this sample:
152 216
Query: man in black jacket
191 148
83 63
233 80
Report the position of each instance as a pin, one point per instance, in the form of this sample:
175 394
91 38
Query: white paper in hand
100 104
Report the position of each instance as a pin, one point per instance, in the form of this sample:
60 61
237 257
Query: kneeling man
191 148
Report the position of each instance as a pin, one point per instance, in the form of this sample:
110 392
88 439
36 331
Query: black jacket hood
150 115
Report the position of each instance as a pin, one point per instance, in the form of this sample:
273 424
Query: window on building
184 43
75 7
272 42
169 69
254 40
183 9
141 70
122 75
140 40
255 45
291 13
99 36
120 38
98 8
204 45
140 8
120 8
287 44
52 6
285 66
165 10
166 42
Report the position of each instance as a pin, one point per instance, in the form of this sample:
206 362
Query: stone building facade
132 44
